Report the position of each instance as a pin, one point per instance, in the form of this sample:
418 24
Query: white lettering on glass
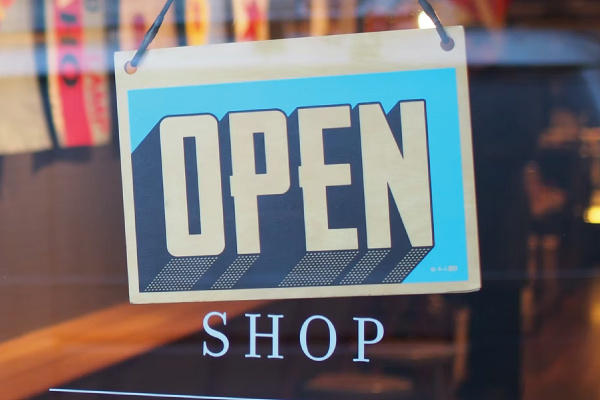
216 334
361 337
332 338
274 335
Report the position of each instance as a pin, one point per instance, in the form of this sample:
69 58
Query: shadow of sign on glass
313 167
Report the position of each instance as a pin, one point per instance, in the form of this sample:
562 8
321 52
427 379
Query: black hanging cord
131 66
447 42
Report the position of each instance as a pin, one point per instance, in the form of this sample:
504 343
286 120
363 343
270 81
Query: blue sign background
437 87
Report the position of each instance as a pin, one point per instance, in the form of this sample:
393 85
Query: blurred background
531 332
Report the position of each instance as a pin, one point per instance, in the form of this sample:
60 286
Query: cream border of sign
287 59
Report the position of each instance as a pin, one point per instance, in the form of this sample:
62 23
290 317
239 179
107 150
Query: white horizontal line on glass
155 395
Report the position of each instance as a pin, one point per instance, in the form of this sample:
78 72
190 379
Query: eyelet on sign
130 69
448 46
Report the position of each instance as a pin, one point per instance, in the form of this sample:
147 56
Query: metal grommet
449 45
130 69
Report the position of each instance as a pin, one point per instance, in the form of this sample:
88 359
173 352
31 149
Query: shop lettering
386 169
361 343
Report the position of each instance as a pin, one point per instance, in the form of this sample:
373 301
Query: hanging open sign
313 167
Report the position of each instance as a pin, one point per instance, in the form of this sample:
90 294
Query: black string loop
131 67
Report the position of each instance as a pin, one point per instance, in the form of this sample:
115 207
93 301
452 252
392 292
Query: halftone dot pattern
234 272
180 274
318 269
364 267
408 263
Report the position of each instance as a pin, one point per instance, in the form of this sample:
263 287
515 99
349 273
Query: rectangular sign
313 167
